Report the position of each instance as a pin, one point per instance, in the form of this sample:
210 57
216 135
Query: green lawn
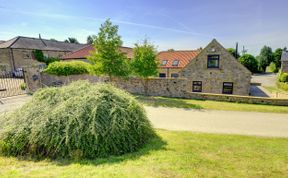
173 154
208 104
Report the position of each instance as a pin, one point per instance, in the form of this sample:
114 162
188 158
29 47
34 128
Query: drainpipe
12 59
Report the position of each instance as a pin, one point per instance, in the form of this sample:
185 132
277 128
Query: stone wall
230 70
5 63
284 66
237 98
169 71
156 87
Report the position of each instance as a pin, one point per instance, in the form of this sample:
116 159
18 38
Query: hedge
68 68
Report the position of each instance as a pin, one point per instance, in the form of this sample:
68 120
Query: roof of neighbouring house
1 41
184 57
284 56
38 43
86 51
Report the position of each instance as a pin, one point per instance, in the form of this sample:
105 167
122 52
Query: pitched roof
86 50
41 44
1 41
284 56
184 57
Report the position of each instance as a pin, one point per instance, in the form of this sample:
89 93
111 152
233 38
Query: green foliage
51 60
68 68
77 121
232 51
72 40
249 62
272 67
277 57
38 55
107 57
282 85
23 86
283 77
144 63
265 57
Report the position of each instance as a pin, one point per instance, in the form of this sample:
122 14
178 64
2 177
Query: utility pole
236 50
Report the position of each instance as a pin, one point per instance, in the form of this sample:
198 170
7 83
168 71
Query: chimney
42 40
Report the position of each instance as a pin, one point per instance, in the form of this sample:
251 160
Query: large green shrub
272 67
250 62
283 77
80 120
68 68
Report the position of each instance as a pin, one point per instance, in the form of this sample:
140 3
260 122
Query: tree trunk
145 85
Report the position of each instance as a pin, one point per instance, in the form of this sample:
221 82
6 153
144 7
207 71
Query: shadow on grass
155 144
166 102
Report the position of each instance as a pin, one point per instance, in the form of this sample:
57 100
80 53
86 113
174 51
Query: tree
107 57
277 57
71 40
250 62
265 57
232 51
144 63
52 39
38 55
90 39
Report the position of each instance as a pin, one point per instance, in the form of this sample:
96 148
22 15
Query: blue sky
181 24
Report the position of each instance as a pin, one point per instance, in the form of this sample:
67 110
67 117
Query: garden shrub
283 77
68 68
81 120
282 85
272 67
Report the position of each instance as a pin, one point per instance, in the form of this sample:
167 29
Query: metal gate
12 83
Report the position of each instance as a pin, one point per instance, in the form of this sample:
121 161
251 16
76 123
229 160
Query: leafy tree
232 51
277 57
144 63
265 57
52 39
107 57
71 40
90 39
250 62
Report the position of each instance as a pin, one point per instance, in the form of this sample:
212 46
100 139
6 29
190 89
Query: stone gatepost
32 78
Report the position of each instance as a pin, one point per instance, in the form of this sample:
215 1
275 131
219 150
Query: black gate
12 83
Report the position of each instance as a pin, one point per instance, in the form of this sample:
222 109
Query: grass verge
208 104
177 154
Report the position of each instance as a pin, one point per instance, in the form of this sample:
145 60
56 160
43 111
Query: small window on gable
227 88
26 55
213 61
175 62
164 62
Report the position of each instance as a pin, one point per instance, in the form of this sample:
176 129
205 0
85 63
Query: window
162 75
197 86
174 75
26 55
164 62
175 62
227 88
213 61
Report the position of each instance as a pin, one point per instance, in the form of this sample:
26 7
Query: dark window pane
197 86
227 88
213 61
162 75
175 75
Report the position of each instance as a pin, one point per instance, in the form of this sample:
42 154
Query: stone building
214 70
172 62
17 52
284 61
82 53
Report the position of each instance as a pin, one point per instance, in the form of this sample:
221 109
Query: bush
68 68
23 86
282 85
250 62
272 67
80 120
283 77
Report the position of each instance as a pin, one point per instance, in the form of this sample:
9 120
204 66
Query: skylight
175 62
